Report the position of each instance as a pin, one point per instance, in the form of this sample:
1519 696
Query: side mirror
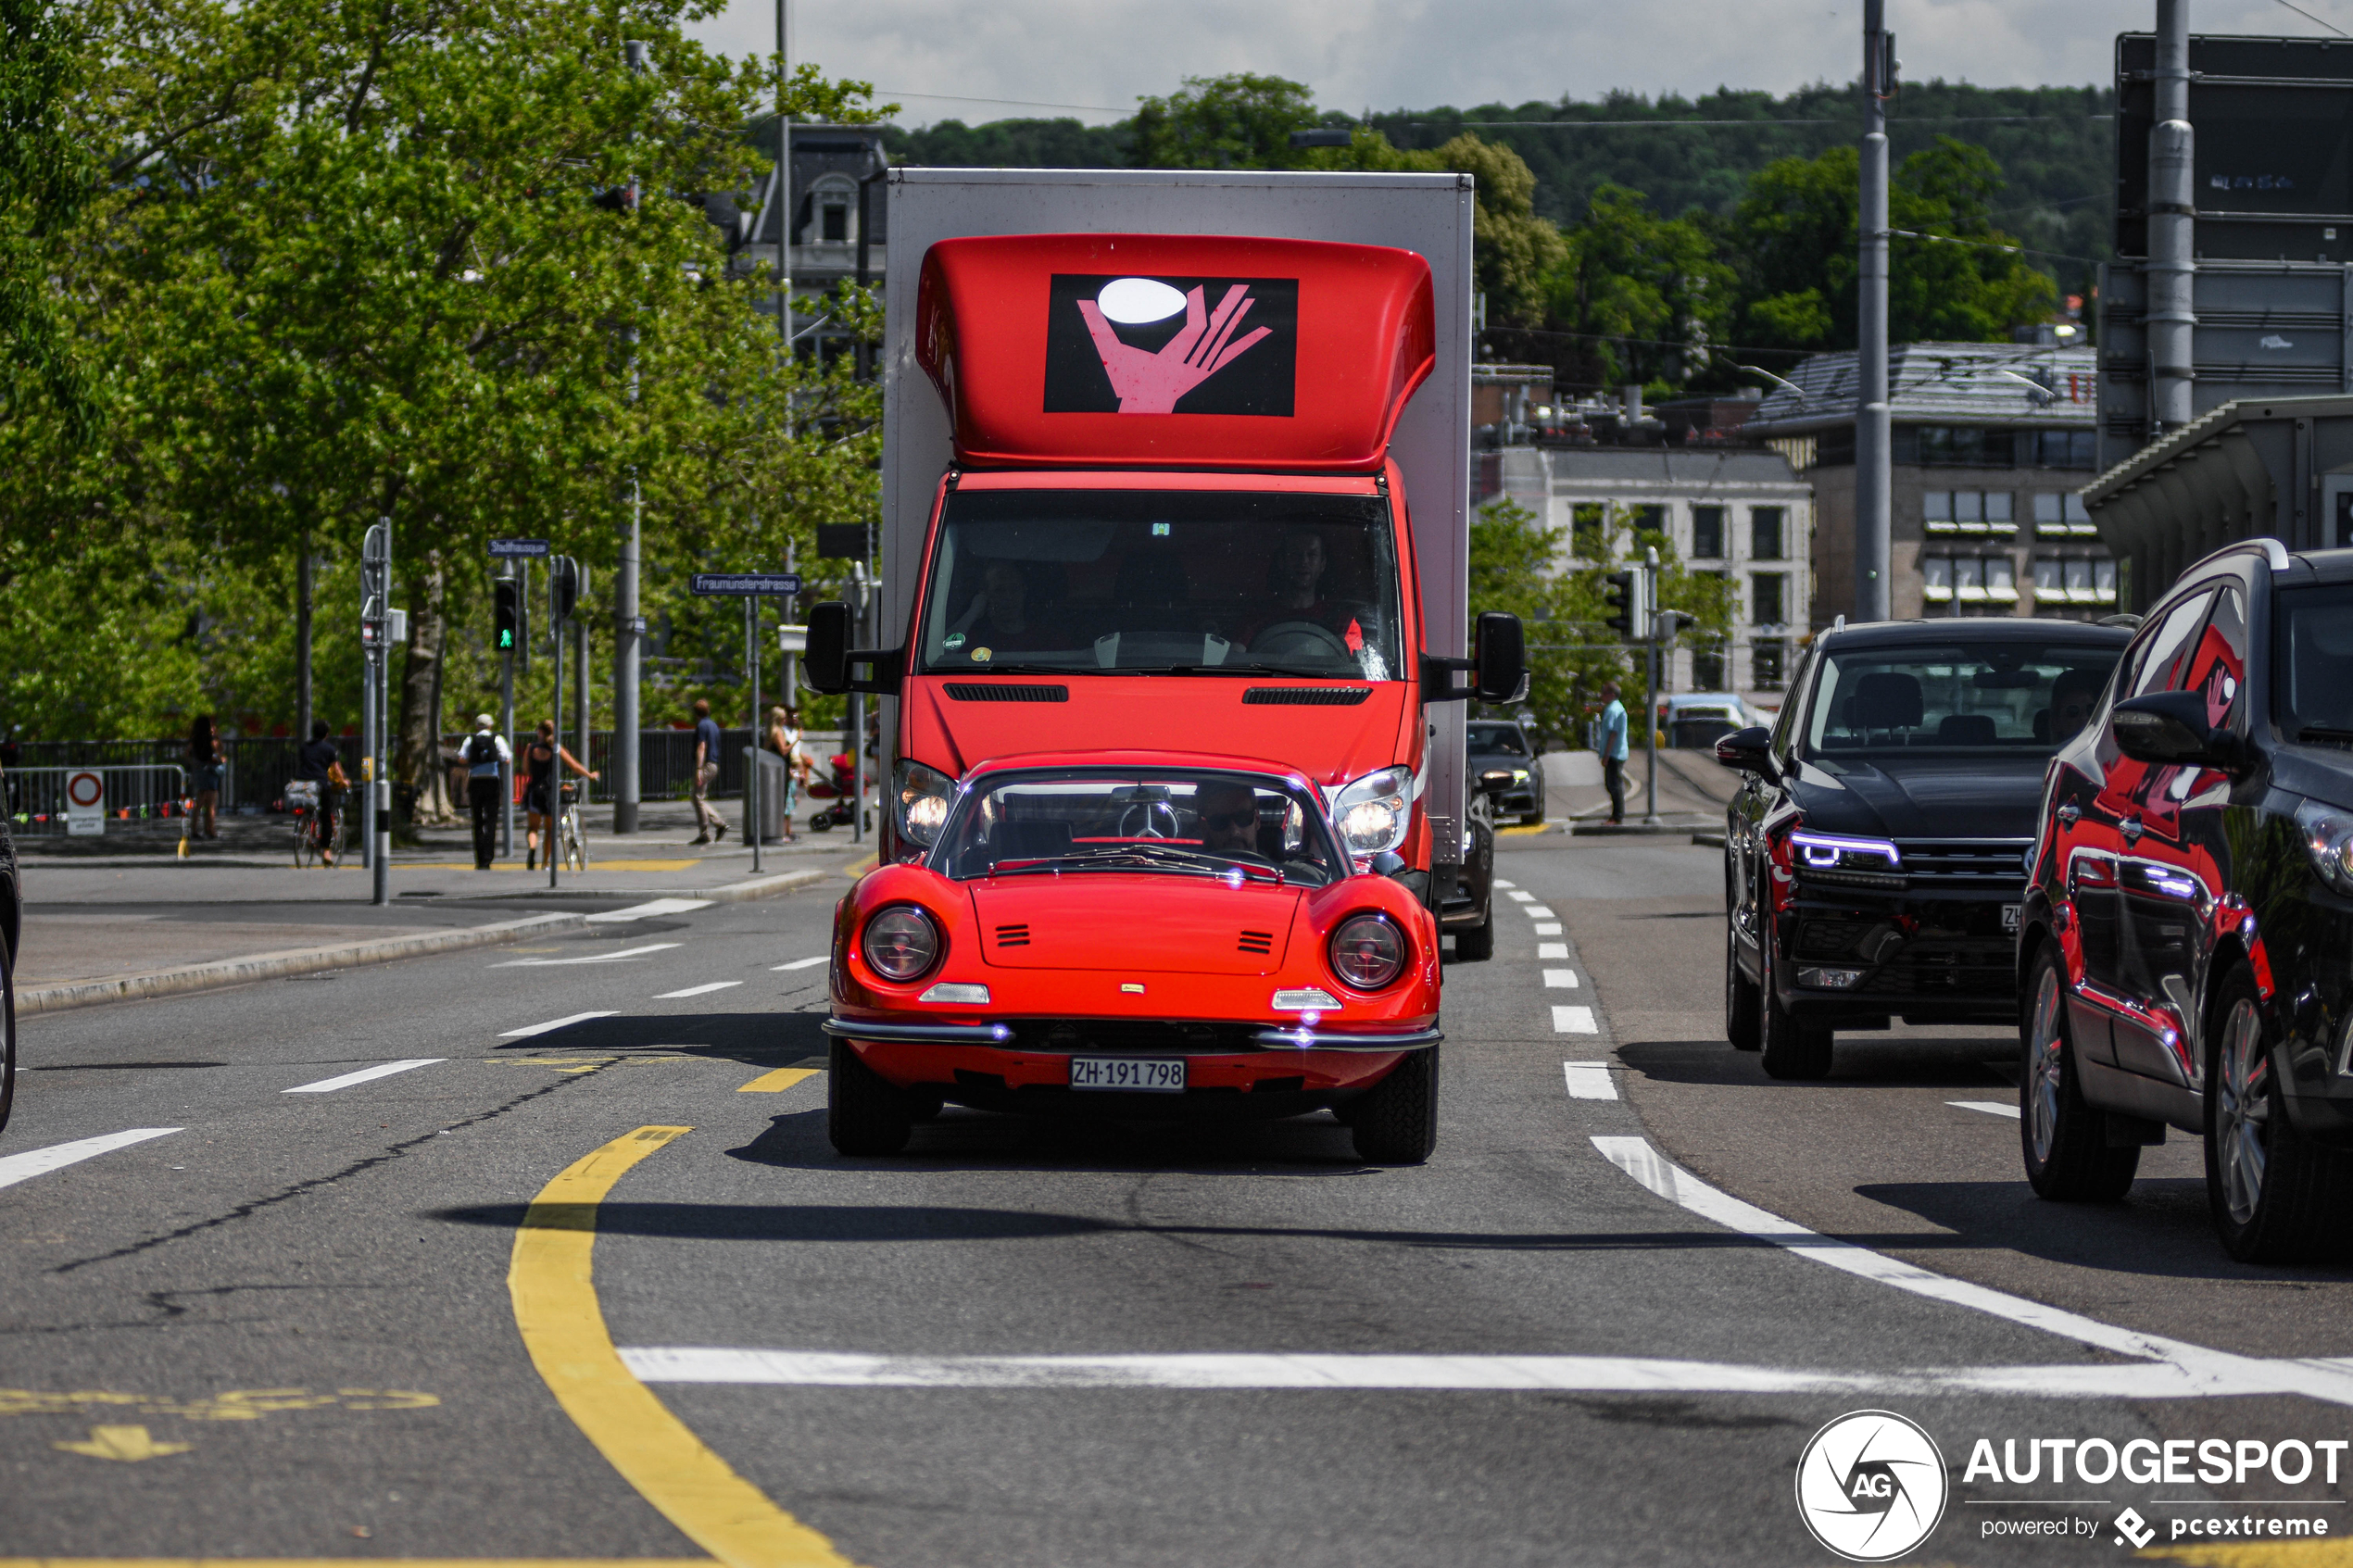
1501 657
832 666
2169 730
826 659
1748 751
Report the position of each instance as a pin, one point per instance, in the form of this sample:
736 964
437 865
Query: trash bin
771 796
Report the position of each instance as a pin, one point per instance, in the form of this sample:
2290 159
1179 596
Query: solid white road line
40 1162
1631 1375
1536 911
1588 1080
698 990
381 1070
801 963
640 911
589 958
1519 898
1991 1106
1574 1021
2208 1371
1551 949
1549 931
1560 980
528 1029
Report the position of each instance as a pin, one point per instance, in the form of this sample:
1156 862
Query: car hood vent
1012 936
1303 696
973 691
1259 941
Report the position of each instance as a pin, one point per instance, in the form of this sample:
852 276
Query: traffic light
1622 592
510 614
567 579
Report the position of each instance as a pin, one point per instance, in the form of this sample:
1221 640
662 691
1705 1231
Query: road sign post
85 802
750 586
375 634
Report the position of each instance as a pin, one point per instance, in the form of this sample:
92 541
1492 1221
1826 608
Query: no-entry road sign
774 582
85 802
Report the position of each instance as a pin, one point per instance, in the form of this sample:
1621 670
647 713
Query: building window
1975 512
1707 669
1936 575
1707 533
1971 580
2061 515
2074 580
1648 518
2063 448
2103 579
2001 580
1766 660
1765 598
1764 533
835 224
1962 447
1589 532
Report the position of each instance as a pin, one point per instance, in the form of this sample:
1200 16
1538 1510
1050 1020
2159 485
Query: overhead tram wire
1760 123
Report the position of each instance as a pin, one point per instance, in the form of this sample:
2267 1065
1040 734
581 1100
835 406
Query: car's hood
1924 797
1330 743
2318 773
1166 924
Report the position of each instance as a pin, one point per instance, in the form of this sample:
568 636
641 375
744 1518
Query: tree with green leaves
44 180
1647 296
1242 121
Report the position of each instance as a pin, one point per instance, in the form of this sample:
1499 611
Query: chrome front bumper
1000 1037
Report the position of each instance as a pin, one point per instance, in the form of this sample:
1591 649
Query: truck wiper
1230 668
993 669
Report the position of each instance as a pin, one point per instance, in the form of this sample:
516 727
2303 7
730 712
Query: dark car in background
2186 949
1876 855
11 922
1502 763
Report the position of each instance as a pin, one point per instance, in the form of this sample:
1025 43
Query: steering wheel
1300 637
1143 820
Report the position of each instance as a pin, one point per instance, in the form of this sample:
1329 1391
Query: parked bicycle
573 837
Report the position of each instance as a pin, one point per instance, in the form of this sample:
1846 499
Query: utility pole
784 181
302 642
860 578
376 631
755 820
628 618
1873 439
2173 264
558 576
585 715
1650 692
507 710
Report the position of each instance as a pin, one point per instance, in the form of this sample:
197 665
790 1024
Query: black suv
1502 763
1876 857
2186 952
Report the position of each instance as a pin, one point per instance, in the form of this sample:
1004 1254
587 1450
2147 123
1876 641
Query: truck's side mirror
1502 658
835 667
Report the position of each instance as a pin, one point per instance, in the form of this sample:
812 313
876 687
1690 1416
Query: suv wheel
2277 1198
1476 944
1743 1007
8 1033
1795 1047
863 1113
2063 1139
1395 1121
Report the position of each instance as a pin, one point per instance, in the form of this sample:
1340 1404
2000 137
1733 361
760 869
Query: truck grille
1305 696
962 691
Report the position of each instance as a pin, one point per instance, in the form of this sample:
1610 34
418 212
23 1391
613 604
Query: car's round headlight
902 943
1369 951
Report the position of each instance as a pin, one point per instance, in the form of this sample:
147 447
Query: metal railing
137 795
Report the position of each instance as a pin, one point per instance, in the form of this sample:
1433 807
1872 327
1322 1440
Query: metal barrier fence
137 795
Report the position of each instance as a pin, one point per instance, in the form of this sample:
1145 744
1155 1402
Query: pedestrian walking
1613 752
541 758
207 768
485 754
711 828
784 739
320 761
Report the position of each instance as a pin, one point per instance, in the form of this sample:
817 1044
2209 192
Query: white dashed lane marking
1588 1080
1991 1106
1537 911
649 949
1560 980
640 911
1551 949
1553 930
698 990
40 1162
800 963
1574 1021
1519 898
554 1024
1498 882
366 1074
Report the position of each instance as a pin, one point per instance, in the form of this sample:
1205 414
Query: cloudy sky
945 58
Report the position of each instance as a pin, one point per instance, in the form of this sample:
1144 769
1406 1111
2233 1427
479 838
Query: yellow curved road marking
564 1330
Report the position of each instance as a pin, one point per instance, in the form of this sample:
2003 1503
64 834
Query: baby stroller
842 792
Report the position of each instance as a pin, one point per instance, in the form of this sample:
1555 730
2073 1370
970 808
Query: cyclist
321 762
539 798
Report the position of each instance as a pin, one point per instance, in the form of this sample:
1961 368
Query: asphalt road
299 1325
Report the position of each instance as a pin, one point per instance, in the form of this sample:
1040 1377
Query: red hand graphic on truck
1151 382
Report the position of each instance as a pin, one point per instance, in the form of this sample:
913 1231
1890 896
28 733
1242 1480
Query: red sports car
1129 936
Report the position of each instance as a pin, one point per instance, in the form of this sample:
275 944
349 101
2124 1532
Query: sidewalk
102 926
1692 788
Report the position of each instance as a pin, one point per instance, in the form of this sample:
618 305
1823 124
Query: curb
350 955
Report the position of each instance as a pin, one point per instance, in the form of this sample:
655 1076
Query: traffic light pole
507 727
555 716
755 823
1650 695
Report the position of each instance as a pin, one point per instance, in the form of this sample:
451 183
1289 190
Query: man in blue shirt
710 827
1613 752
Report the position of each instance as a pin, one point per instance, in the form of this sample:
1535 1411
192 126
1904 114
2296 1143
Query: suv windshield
1238 826
1497 737
2015 699
1199 581
2312 662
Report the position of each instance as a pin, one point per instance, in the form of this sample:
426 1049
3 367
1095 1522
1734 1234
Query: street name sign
775 583
508 549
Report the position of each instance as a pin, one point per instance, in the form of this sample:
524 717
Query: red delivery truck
1171 645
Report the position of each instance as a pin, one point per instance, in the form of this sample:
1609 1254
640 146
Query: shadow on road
1861 1060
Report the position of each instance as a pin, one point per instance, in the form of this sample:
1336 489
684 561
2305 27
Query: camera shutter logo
1871 1485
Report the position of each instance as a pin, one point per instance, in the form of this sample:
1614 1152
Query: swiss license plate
1137 1075
2009 917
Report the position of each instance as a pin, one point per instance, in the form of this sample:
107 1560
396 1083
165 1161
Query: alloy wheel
2046 1065
2242 1112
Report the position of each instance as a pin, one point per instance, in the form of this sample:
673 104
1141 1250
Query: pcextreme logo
1871 1485
1171 345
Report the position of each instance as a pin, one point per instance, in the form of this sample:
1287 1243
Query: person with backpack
486 757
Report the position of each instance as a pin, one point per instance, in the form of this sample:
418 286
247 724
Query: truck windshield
2011 698
1196 582
1238 826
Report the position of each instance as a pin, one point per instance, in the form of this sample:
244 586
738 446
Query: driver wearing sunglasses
1229 819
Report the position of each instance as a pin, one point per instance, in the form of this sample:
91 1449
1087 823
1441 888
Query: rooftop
1668 465
1970 383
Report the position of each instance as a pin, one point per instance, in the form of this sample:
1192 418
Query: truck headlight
1374 813
922 796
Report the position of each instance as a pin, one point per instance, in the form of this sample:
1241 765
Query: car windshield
2015 699
1498 737
1236 826
2312 662
1207 582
